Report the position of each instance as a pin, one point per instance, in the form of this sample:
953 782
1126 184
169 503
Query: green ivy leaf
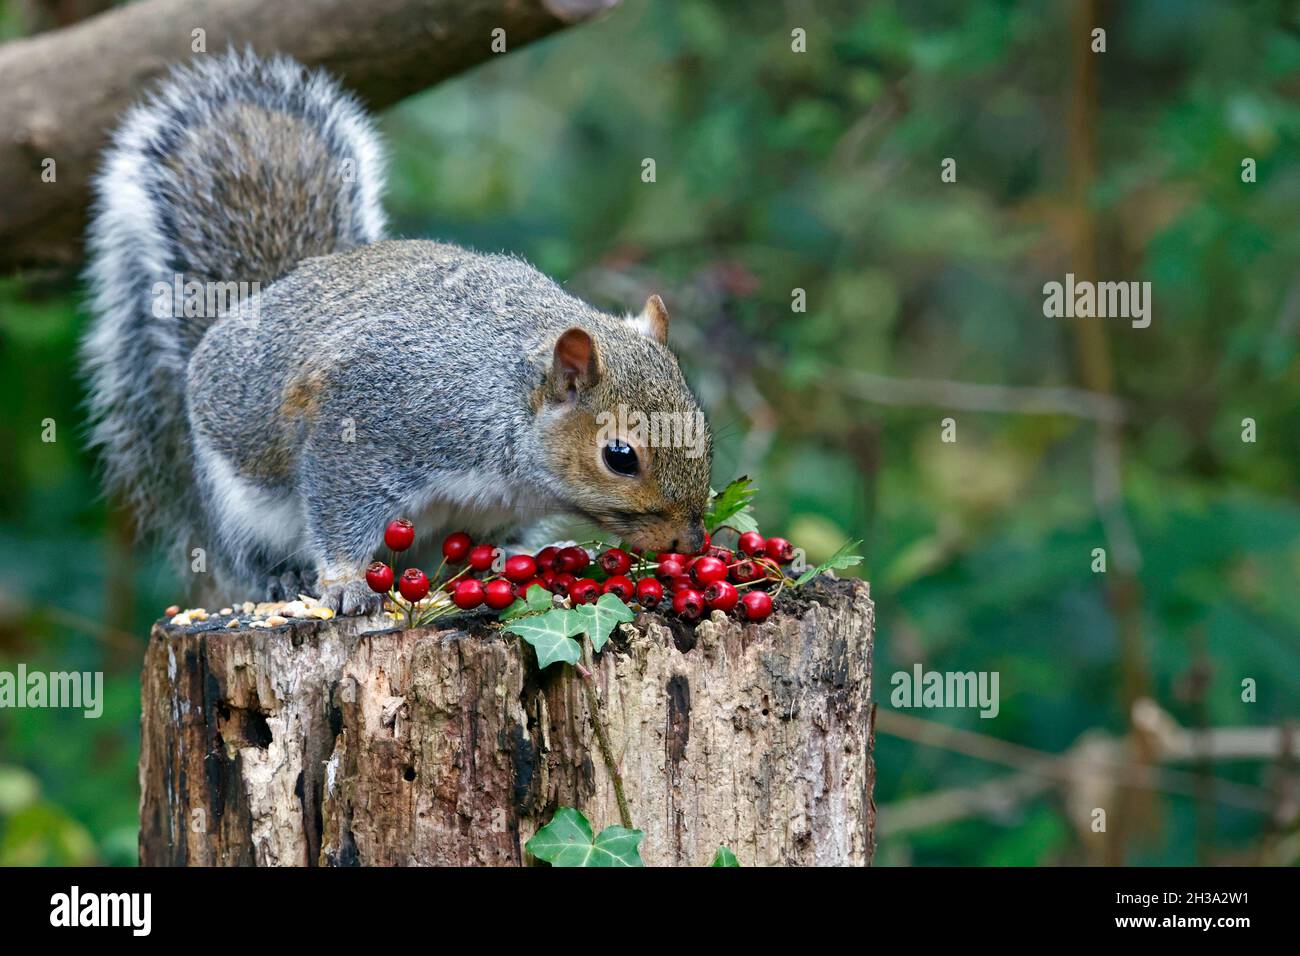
600 619
731 506
567 841
724 857
536 600
840 559
550 635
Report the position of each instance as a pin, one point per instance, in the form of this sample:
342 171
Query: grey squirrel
364 378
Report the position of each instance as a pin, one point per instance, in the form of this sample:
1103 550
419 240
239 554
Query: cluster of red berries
715 579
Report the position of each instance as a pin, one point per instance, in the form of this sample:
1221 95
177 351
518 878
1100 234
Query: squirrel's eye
620 458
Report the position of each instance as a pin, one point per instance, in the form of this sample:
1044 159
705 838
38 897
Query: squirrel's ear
576 364
653 320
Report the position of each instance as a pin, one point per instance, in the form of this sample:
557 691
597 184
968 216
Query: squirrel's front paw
351 597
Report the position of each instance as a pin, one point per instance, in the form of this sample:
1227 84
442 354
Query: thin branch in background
971 397
1067 767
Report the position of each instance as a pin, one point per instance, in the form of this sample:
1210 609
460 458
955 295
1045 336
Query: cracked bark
320 744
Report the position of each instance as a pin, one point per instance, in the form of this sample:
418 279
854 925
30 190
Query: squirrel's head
623 434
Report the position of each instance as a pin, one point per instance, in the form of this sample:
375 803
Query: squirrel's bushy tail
233 171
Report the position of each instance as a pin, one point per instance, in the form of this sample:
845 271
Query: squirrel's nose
694 538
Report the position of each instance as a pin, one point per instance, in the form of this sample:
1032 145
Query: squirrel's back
235 170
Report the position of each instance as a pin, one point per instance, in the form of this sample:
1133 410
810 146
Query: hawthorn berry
752 543
708 543
521 589
469 594
745 571
721 596
670 567
649 592
548 579
399 534
722 554
682 582
498 594
616 561
546 557
414 584
779 549
705 570
520 567
380 577
756 605
571 559
456 546
561 583
480 557
620 586
584 591
688 602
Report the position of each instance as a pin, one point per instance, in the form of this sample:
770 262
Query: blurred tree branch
1090 771
64 90
971 397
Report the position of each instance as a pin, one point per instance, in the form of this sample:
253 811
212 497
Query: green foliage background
820 171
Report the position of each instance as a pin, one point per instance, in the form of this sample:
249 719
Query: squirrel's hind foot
287 587
351 598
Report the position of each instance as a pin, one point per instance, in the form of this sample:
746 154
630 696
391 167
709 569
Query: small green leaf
724 857
550 635
600 619
514 612
731 506
539 599
567 841
840 559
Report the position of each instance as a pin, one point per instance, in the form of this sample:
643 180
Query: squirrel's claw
351 598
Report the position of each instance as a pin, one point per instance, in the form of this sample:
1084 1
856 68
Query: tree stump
332 743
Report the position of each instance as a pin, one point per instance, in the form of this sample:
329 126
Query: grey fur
375 378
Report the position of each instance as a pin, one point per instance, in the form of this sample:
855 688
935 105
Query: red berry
745 571
756 605
584 591
520 567
721 596
705 570
548 579
498 594
708 543
616 561
480 557
620 586
414 584
722 554
521 590
546 557
649 592
561 583
682 582
456 546
469 593
571 559
779 549
380 577
751 543
399 534
670 568
688 603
